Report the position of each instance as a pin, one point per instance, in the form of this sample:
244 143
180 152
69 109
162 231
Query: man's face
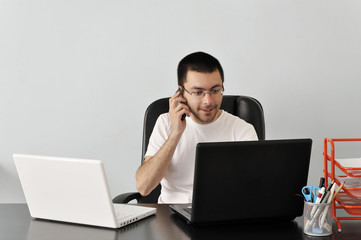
204 109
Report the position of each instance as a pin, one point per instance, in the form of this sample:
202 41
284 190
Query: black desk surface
16 223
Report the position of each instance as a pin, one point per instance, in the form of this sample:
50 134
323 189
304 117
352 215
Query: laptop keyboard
121 212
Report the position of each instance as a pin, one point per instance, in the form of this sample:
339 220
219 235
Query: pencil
338 190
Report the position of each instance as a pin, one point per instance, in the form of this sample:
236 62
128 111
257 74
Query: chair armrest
127 197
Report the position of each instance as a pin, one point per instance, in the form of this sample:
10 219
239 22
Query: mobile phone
181 94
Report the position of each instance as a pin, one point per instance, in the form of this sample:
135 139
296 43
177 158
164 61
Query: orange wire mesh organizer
350 197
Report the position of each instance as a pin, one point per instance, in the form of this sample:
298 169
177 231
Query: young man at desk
170 156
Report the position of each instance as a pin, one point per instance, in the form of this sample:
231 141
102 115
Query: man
170 156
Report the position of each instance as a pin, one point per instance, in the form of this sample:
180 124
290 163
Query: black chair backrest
247 108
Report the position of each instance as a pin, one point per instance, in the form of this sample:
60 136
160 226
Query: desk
16 223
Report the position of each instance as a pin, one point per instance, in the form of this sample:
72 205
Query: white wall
76 76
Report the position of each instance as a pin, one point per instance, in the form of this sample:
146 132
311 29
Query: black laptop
248 181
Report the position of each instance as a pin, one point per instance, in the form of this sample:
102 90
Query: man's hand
178 107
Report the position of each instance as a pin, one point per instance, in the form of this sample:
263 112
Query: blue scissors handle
315 193
307 193
310 193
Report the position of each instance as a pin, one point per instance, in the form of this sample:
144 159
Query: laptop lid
249 180
71 190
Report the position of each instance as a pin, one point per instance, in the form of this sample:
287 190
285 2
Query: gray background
76 76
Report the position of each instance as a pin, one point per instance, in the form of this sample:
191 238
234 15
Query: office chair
247 108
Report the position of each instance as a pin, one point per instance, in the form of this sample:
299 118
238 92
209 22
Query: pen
330 198
325 196
331 191
322 182
320 194
330 186
318 200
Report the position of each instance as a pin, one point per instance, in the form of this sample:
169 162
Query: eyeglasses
200 93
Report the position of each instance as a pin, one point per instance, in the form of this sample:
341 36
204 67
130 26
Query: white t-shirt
177 184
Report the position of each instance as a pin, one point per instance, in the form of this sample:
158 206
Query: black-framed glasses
199 94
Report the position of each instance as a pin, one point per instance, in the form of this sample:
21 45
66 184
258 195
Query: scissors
309 192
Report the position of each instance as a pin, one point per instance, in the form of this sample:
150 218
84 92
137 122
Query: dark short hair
199 62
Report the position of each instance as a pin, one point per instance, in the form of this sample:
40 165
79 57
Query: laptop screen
250 180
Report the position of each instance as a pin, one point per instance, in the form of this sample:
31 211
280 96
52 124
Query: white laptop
73 190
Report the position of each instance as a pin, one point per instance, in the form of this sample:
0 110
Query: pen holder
317 219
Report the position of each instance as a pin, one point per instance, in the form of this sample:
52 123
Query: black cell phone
181 90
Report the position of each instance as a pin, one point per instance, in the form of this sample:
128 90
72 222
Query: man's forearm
153 169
